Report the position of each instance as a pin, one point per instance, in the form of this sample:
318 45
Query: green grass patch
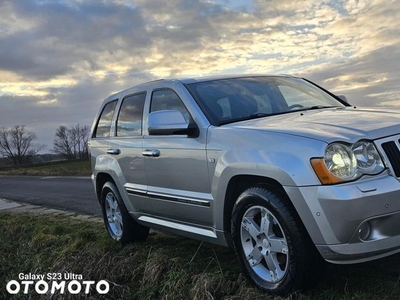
164 267
62 168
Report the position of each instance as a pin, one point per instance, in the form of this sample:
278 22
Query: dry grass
164 267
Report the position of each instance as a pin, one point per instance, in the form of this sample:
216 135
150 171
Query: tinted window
168 100
236 99
129 121
296 97
104 124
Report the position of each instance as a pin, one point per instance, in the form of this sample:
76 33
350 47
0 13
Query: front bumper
352 222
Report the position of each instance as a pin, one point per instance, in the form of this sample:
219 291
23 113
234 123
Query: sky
59 59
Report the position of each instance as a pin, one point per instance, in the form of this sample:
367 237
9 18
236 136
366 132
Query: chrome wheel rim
264 244
113 215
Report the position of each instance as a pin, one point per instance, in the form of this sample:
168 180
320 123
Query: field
164 267
61 168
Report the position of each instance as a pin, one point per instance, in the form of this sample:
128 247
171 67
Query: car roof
232 76
189 80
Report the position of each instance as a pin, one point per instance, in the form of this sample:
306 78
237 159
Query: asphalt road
66 193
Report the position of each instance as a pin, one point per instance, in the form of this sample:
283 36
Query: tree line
18 145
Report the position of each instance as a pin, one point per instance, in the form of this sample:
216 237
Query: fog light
364 232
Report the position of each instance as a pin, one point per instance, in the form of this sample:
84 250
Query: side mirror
169 122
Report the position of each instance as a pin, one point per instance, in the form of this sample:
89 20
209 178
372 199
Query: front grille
392 152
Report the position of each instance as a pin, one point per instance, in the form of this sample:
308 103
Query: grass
164 267
63 168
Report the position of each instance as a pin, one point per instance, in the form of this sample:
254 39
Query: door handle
152 153
114 151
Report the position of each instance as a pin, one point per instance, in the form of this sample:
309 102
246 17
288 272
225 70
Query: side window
168 100
104 124
129 122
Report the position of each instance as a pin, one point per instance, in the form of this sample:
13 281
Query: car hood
331 124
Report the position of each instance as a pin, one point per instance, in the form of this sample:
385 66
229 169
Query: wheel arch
237 185
101 179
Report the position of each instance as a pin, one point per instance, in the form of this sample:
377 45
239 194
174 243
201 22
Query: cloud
59 59
63 36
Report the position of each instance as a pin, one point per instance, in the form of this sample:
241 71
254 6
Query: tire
272 245
119 223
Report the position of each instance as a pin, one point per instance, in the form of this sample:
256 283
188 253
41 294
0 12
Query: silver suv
286 173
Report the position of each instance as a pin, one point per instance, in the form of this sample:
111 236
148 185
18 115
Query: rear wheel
272 245
119 223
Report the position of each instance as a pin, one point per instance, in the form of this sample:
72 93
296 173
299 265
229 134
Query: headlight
344 162
340 161
368 159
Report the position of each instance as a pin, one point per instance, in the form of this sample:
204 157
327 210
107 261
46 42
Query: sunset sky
60 59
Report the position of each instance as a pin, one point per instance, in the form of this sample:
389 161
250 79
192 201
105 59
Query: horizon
60 59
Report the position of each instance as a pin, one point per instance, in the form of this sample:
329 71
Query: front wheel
119 223
271 243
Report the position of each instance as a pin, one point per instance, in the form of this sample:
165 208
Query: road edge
20 207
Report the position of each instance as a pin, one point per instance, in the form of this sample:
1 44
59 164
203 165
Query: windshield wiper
313 108
249 117
262 115
321 106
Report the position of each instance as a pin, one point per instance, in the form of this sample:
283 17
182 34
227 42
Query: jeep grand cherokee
286 173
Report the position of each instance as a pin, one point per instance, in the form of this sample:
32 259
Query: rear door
126 147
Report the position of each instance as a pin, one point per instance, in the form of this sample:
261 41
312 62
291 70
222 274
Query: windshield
236 99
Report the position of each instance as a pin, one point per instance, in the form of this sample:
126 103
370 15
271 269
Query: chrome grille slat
393 154
390 149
